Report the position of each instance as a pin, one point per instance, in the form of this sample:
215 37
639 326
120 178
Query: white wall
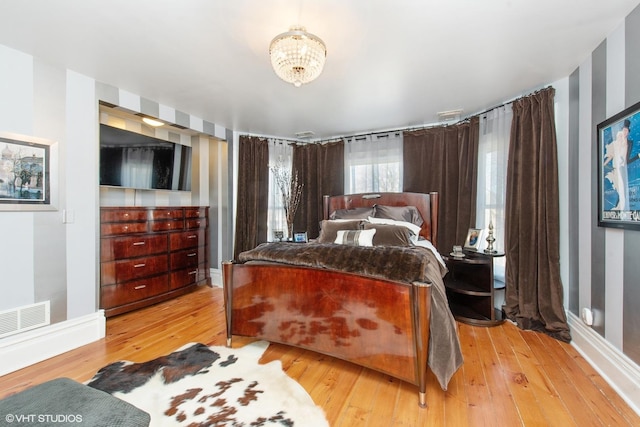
42 257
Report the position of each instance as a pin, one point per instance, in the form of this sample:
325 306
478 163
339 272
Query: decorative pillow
400 213
355 237
357 213
329 228
415 230
389 235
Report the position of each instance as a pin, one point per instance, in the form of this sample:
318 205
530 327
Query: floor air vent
24 318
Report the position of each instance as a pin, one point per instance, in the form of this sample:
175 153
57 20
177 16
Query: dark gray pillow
357 213
329 229
399 213
389 235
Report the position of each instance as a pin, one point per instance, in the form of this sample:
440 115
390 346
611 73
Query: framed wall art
27 178
619 170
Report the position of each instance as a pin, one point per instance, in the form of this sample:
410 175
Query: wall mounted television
133 160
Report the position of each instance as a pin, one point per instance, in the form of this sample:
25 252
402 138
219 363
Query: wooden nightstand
470 288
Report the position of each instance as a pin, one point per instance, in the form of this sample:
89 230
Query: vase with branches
290 189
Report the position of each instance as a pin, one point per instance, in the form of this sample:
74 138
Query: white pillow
355 237
415 230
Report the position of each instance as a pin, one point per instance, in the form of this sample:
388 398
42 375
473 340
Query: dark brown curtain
253 192
445 159
534 296
320 168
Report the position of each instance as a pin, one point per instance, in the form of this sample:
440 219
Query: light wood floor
510 377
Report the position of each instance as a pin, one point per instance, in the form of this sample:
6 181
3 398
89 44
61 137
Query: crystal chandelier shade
297 57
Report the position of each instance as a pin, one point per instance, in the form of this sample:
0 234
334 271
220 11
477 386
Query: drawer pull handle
139 265
193 272
139 287
193 254
193 236
138 243
126 215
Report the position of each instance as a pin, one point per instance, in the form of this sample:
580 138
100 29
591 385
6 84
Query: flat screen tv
133 160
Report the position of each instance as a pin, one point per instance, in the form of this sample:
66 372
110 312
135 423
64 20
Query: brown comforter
403 264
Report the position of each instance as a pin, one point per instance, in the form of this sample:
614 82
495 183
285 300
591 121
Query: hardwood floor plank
456 406
516 379
547 400
602 409
503 405
566 391
385 403
360 400
605 388
478 394
509 377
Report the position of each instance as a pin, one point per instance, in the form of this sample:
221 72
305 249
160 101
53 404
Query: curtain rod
408 128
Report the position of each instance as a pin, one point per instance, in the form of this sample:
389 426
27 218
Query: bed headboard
427 204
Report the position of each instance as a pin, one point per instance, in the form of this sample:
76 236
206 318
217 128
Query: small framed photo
473 239
300 237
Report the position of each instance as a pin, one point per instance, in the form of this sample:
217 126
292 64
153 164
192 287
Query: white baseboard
622 373
216 277
21 350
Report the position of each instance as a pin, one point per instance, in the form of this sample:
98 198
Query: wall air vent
24 318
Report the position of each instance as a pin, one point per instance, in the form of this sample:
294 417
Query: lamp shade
297 57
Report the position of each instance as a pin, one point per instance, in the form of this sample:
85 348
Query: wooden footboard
378 324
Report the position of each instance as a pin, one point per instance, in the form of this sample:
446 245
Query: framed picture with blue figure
472 242
619 170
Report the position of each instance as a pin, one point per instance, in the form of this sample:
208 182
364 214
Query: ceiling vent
447 116
307 134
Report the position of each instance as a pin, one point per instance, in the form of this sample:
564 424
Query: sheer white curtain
280 154
373 163
493 151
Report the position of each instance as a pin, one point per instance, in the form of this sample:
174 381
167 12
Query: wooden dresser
151 254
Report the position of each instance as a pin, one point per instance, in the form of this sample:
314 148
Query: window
280 154
493 151
373 163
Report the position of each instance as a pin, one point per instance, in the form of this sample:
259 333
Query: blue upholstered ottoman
64 402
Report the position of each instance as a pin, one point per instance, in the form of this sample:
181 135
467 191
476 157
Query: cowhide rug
211 386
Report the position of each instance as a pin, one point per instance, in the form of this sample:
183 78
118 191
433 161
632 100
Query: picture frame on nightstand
300 237
473 239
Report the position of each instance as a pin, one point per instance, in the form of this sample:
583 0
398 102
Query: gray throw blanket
403 264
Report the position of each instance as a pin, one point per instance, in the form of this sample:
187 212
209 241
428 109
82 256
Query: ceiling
390 65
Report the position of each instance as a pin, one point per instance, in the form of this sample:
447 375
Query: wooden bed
376 323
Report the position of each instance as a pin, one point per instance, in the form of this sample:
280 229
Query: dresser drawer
184 277
122 215
115 295
166 213
168 225
195 212
115 228
131 247
140 267
186 239
187 258
193 223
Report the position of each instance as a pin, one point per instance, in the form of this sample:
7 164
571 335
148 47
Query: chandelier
297 56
